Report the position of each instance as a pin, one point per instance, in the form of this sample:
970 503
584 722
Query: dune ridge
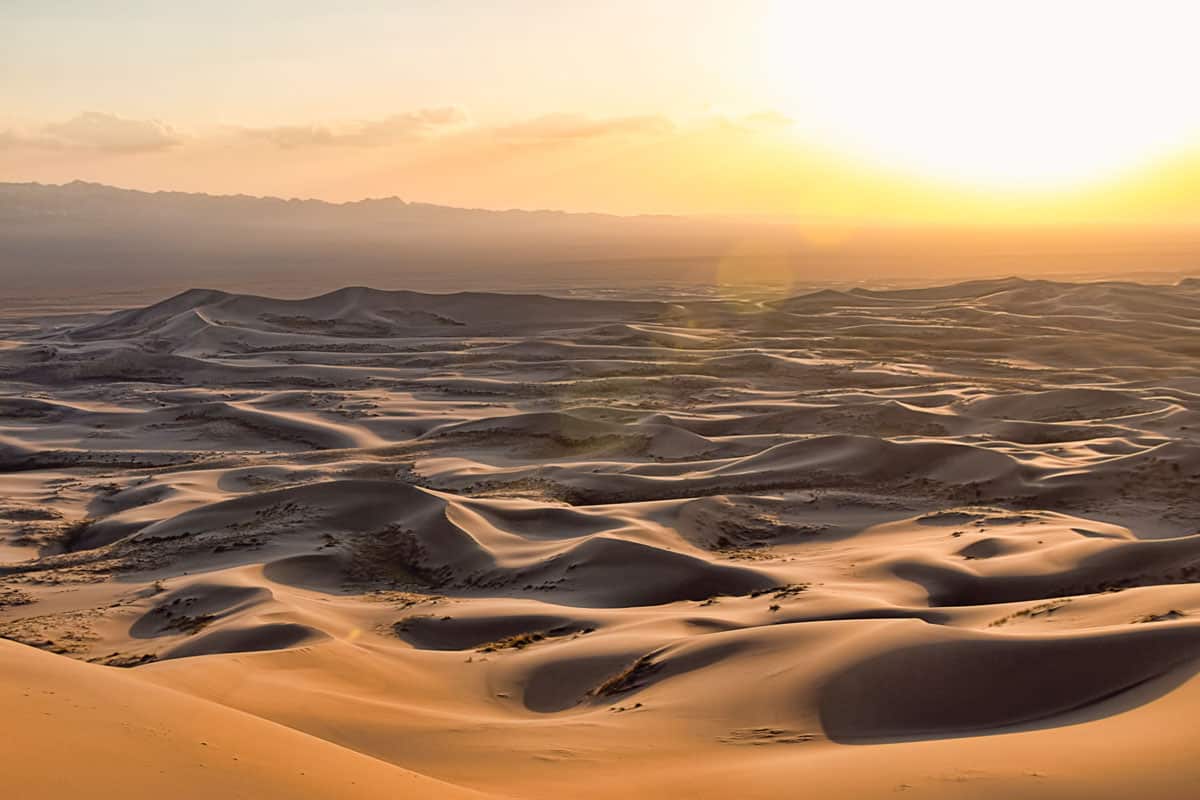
940 540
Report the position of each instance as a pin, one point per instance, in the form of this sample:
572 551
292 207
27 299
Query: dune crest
523 546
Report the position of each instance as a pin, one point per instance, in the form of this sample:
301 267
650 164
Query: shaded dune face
978 685
503 539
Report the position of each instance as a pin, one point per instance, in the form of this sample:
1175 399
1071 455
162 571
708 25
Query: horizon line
744 217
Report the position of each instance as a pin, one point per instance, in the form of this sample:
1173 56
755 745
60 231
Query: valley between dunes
934 543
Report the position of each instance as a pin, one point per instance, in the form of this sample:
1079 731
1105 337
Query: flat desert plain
931 543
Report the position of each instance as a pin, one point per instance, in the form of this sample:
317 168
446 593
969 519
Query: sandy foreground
935 543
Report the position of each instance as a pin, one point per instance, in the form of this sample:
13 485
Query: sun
1005 94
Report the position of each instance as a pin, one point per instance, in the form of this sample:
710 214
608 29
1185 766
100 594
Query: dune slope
941 541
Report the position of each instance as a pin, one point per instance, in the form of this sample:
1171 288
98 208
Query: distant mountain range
81 228
80 236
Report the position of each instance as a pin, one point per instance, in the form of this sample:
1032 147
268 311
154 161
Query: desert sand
936 543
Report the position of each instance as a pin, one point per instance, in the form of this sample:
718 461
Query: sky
922 110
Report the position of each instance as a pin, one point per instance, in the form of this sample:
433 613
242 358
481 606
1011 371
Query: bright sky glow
1007 93
880 109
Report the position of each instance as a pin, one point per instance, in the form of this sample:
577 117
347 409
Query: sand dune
939 541
85 730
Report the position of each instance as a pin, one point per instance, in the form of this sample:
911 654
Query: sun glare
1017 94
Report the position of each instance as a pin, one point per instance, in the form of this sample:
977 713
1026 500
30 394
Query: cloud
429 123
570 127
378 133
767 119
95 130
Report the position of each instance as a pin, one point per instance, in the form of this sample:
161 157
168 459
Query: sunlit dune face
1002 94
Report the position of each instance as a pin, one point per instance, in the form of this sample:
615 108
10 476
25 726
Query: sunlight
1009 95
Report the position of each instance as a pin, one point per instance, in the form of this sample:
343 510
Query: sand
939 542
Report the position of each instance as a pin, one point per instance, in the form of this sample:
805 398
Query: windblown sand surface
939 542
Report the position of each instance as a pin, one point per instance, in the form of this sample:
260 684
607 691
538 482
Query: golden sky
923 110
